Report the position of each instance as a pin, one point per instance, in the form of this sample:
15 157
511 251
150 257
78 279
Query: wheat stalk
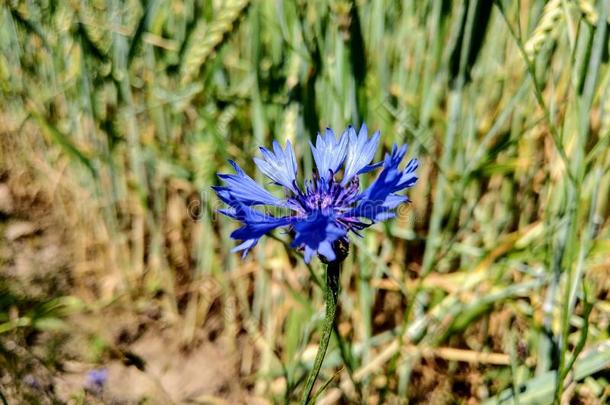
546 28
207 37
588 11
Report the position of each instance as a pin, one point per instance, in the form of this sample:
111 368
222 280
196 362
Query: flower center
327 196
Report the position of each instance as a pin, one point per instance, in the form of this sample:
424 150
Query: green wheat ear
552 16
546 29
588 11
207 37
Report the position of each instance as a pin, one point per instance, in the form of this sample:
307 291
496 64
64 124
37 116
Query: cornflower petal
360 152
255 225
279 165
316 233
243 189
379 198
329 153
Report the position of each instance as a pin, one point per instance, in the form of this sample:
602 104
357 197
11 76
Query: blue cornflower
96 379
330 204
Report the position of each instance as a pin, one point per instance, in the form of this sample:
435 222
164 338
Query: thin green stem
331 293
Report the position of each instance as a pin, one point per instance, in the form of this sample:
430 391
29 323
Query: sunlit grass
503 253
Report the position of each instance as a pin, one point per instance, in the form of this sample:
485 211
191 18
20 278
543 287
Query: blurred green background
492 285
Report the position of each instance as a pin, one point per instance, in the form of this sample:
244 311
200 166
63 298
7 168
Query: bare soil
144 359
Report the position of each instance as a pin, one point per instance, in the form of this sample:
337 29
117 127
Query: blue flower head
96 379
330 204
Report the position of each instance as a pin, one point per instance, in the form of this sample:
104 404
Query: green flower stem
331 293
